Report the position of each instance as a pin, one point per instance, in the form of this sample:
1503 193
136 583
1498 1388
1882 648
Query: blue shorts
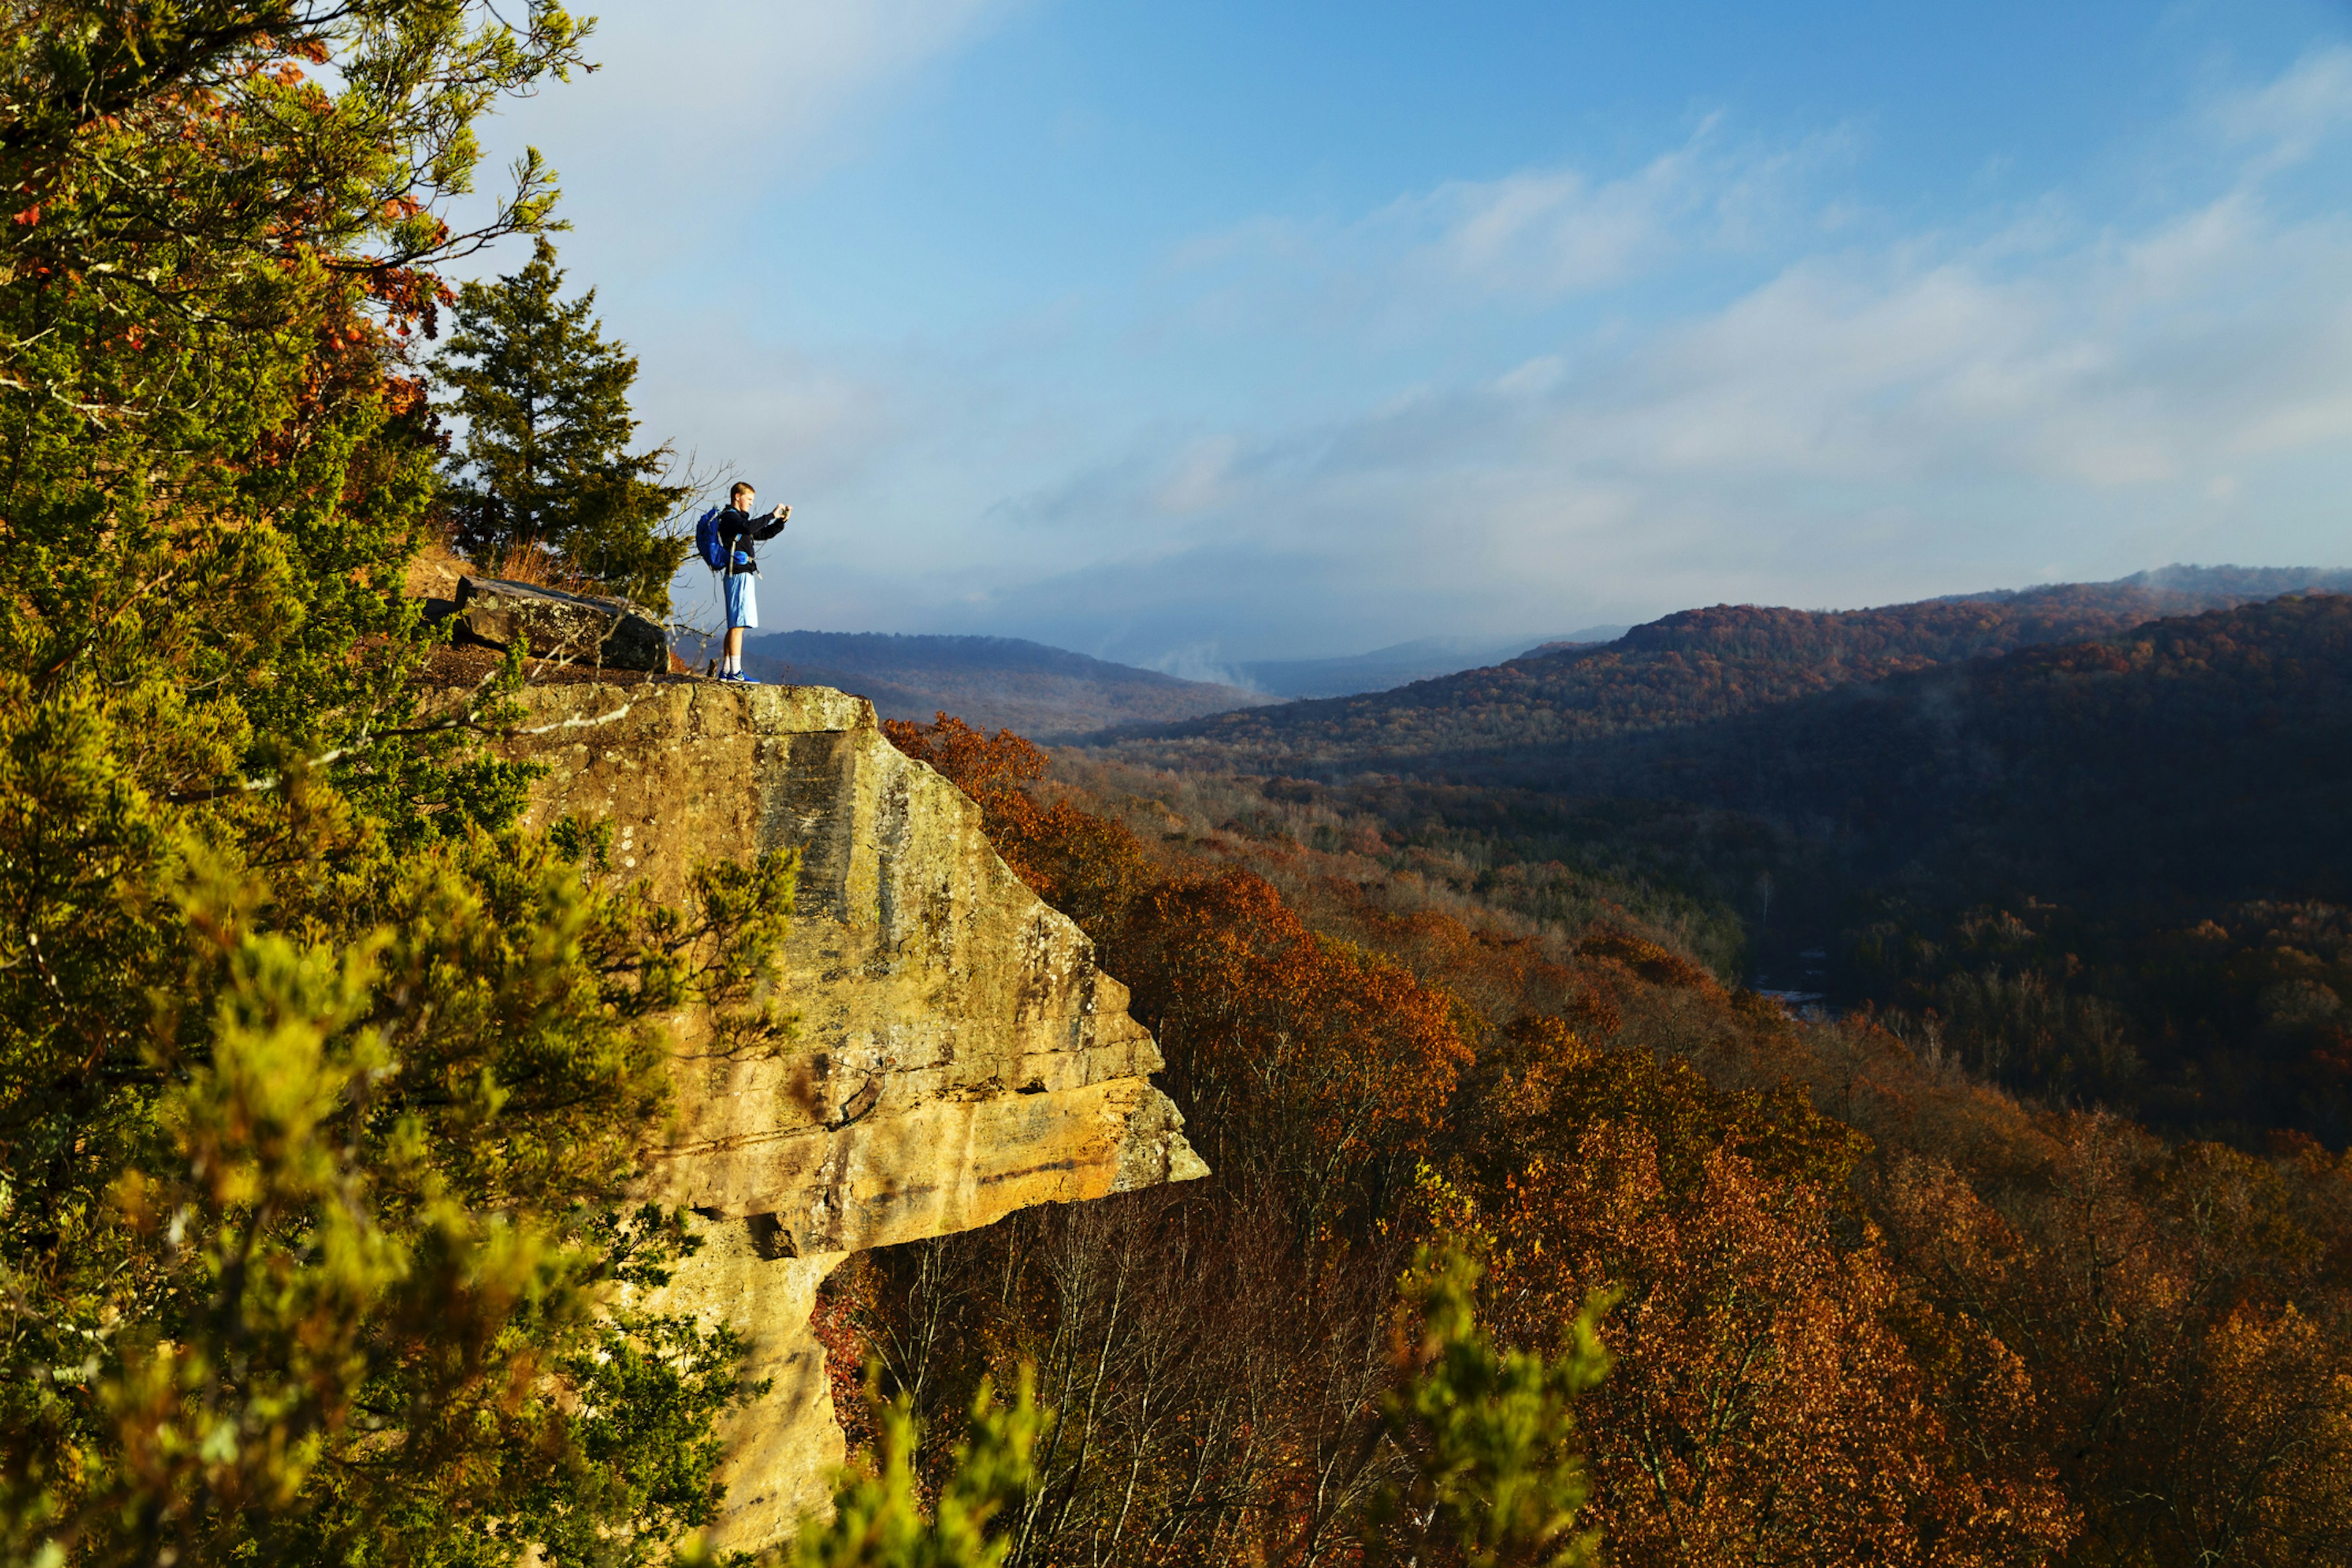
742 600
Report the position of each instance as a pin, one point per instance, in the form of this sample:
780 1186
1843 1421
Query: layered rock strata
959 1055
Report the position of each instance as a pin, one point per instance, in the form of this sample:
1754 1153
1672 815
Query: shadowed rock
576 628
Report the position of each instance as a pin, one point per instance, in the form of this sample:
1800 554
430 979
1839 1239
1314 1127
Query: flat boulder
578 628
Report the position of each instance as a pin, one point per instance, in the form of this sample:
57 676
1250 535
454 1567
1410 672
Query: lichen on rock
578 628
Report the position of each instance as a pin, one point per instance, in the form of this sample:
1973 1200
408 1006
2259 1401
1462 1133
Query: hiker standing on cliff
738 535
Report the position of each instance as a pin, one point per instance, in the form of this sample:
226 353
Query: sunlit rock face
959 1055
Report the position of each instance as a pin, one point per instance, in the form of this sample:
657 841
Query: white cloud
1469 424
1859 425
2117 363
2295 113
1202 479
1527 240
1556 231
694 111
1548 232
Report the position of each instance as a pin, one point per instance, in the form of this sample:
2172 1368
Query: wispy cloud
2292 115
2085 396
694 111
1526 240
1549 232
1560 395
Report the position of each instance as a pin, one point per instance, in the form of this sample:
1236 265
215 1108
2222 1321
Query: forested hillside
1981 1331
1492 725
2110 872
1399 664
2193 758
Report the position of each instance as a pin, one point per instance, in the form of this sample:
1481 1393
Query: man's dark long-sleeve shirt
741 534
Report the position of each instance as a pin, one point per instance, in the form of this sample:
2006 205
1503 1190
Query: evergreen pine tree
546 464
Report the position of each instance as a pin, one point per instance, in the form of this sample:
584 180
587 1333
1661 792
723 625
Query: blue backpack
707 542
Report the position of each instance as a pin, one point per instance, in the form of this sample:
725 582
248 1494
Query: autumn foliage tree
1766 1408
1086 866
2181 1311
1781 1391
1243 1329
1769 1403
1311 1064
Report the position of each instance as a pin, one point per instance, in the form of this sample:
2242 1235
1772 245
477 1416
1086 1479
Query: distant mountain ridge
2114 868
994 682
2180 589
1399 664
1585 639
1512 721
2203 754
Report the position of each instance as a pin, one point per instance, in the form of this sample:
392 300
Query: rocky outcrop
959 1055
576 628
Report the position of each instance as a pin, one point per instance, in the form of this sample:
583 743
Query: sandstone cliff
960 1055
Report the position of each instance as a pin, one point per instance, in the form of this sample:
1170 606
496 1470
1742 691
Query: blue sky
1189 334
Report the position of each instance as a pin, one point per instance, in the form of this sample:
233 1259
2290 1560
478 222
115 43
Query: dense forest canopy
2195 758
1510 722
2062 863
1859 1306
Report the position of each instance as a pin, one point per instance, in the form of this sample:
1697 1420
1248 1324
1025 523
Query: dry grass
434 570
544 568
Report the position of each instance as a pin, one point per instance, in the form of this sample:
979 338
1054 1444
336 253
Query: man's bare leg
730 661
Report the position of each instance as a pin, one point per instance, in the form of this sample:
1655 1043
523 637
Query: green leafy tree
322 1086
1490 1435
878 1519
546 466
373 1243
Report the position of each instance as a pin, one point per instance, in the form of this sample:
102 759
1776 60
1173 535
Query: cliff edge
959 1055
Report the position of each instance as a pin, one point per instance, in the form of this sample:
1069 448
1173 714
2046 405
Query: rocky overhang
959 1055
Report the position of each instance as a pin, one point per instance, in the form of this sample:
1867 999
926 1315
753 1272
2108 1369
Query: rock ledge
959 1055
